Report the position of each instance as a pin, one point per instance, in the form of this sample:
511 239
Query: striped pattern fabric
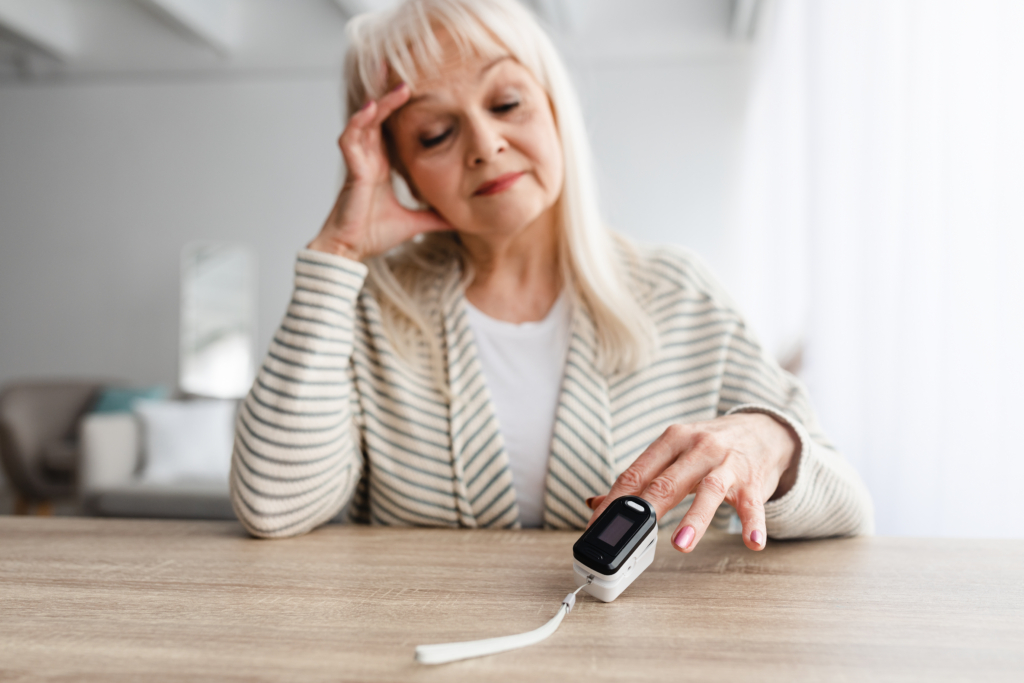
336 417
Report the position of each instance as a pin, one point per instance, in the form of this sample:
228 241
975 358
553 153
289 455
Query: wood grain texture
113 600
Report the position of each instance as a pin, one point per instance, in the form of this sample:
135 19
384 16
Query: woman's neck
516 278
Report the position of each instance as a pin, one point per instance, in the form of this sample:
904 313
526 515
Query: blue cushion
121 400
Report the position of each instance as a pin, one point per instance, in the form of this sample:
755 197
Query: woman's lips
499 184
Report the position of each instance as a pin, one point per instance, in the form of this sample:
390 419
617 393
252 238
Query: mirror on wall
218 319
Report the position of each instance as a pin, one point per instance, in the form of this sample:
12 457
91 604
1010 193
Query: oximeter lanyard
452 652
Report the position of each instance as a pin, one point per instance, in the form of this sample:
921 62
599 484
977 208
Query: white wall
667 138
103 182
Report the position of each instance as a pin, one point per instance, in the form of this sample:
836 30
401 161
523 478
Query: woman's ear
405 192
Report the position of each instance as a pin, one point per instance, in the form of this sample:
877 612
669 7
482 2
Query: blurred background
852 169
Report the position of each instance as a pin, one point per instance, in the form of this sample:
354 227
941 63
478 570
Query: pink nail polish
757 537
365 105
684 538
397 87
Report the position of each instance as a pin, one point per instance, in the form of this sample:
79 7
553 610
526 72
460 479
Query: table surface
163 600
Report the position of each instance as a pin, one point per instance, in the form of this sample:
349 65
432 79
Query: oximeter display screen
615 535
615 530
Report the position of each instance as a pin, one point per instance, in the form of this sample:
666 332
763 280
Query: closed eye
436 140
504 108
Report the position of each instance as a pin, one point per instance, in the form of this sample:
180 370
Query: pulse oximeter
616 548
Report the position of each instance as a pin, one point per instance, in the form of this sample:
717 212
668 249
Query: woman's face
479 144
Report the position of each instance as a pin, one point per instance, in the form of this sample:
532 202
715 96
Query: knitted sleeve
296 460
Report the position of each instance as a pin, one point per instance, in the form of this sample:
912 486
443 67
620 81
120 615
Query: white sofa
118 477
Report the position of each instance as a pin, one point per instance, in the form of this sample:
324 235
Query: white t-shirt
523 365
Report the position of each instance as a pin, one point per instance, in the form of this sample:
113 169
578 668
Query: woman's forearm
296 460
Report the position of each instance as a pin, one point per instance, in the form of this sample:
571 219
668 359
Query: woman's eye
436 140
504 108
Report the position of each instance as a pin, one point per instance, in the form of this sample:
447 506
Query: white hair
592 258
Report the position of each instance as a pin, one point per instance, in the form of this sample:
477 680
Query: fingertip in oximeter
616 548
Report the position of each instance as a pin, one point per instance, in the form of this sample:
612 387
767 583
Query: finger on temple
391 101
710 493
647 466
750 509
362 117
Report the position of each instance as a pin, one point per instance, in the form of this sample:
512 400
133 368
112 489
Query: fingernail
757 537
590 502
683 538
397 87
365 105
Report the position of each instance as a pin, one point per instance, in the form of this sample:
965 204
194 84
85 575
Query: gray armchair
38 437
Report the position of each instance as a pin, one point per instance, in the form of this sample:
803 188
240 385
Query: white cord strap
451 652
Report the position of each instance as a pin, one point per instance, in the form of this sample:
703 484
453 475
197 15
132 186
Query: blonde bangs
404 41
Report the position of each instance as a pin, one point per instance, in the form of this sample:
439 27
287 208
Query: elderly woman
494 356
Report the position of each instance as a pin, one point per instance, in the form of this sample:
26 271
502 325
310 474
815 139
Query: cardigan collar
579 463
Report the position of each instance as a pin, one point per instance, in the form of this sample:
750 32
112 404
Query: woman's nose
486 142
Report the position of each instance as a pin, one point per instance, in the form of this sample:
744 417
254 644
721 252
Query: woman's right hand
367 218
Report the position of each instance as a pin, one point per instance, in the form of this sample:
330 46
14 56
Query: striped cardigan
336 417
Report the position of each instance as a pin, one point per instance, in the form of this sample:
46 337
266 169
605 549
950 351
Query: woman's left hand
743 459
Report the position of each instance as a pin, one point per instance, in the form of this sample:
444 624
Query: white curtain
880 225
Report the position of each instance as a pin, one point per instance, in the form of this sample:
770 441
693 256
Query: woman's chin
509 221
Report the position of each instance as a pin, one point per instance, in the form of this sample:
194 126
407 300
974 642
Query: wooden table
159 600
